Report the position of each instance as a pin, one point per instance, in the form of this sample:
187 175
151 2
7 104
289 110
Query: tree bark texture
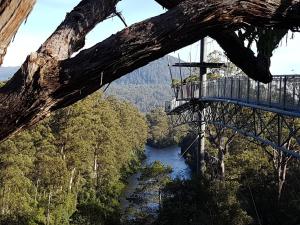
49 79
257 68
12 14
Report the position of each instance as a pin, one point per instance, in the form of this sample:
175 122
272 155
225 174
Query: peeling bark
12 14
258 68
69 37
45 83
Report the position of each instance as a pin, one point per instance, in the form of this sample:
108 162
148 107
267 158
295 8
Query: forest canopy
71 168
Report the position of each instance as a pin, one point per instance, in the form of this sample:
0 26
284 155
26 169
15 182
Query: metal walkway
282 95
267 113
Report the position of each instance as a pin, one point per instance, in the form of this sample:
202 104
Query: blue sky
48 14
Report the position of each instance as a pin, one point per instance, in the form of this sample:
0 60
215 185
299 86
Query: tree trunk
12 14
281 178
72 178
48 208
221 156
45 83
280 162
36 190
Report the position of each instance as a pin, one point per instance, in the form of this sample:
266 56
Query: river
169 156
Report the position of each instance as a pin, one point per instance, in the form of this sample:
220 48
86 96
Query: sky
47 15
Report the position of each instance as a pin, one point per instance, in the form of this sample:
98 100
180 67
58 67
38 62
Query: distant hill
144 96
149 86
146 87
156 72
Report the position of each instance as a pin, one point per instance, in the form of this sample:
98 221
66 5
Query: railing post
280 86
258 91
225 87
284 92
207 86
239 88
231 88
218 88
294 92
248 90
269 93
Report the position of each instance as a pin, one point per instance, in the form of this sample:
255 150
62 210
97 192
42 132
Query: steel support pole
202 126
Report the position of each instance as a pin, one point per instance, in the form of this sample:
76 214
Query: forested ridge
71 168
147 87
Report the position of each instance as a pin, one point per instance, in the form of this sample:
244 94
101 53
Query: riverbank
140 200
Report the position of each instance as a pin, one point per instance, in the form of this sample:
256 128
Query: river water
169 156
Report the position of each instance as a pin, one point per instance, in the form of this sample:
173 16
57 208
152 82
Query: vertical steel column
202 126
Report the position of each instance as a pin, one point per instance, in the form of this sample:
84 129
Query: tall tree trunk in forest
221 141
72 178
280 162
221 157
36 190
281 178
49 79
48 208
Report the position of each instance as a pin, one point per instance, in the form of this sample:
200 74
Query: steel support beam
267 128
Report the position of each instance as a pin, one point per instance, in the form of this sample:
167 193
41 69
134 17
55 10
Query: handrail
283 93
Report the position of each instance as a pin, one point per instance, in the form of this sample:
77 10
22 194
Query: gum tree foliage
70 168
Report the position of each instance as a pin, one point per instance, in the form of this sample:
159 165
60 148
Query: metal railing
283 93
173 104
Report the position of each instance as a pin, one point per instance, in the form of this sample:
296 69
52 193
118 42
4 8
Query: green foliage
175 82
247 195
71 167
229 68
200 201
153 178
154 170
161 132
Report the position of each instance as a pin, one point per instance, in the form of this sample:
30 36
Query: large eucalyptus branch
12 14
45 83
258 67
